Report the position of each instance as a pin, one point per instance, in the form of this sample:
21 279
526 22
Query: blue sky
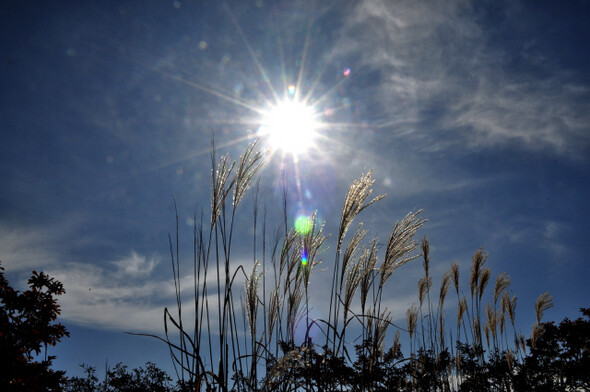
476 112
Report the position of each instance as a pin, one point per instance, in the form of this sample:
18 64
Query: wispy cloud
136 265
26 248
130 297
108 299
545 235
537 113
444 80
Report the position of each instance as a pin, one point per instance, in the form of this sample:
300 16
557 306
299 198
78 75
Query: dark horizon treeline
559 362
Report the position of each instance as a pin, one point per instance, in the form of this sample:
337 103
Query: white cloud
436 57
136 265
26 248
128 297
106 299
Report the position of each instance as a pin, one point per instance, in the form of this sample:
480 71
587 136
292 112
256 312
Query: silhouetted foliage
121 379
559 362
87 384
560 359
304 367
26 329
473 369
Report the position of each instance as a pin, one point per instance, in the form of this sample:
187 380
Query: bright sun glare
290 126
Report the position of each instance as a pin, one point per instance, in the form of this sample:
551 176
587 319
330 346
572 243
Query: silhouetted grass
243 337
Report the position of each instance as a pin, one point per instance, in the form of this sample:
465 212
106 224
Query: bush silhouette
26 329
121 379
560 358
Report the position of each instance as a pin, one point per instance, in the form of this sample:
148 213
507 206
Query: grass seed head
543 303
502 283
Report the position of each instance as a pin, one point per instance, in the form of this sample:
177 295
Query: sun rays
290 105
290 127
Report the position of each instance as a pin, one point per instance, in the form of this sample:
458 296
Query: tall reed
246 338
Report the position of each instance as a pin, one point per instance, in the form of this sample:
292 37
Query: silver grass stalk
370 320
517 343
352 248
380 330
400 245
289 244
478 261
273 310
510 359
411 319
461 310
353 280
368 262
536 334
220 186
491 319
293 303
444 289
396 345
455 275
441 329
425 254
251 286
510 304
313 242
477 331
355 203
504 302
249 164
543 303
424 285
484 279
502 283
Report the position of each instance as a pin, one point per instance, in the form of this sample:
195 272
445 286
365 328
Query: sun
290 126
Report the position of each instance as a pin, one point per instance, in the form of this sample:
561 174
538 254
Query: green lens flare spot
303 224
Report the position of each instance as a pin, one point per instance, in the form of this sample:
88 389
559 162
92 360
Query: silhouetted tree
120 379
26 328
87 384
152 379
560 358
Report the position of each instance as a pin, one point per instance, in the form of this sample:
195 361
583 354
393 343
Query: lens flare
303 224
304 257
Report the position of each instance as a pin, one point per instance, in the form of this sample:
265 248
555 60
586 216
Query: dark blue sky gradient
477 112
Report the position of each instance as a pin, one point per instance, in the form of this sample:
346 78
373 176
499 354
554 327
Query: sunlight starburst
290 127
